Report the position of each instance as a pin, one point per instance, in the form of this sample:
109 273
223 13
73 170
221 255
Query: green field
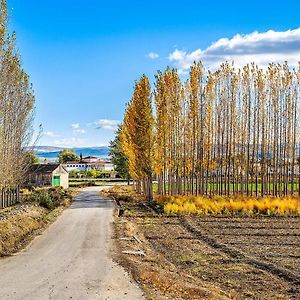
237 186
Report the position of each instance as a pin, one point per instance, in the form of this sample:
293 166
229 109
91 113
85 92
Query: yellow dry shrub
241 205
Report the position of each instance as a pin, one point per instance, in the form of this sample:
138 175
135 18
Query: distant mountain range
51 153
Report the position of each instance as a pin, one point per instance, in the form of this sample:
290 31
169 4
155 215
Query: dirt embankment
20 223
17 224
207 257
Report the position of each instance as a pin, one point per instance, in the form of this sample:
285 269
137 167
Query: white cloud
262 48
50 134
152 55
107 124
79 131
75 125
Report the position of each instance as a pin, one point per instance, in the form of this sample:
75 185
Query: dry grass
19 224
218 205
124 192
173 286
52 215
14 230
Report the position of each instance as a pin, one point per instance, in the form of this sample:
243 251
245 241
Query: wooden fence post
9 197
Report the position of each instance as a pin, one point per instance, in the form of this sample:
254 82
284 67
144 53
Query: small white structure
47 175
108 166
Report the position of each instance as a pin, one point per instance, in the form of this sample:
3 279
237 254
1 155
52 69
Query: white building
74 166
86 166
107 166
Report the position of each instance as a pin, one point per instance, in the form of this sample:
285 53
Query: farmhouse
74 166
47 175
100 166
89 164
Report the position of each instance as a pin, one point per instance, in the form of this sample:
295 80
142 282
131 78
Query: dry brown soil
209 257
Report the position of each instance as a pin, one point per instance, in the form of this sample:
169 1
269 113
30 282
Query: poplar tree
16 108
137 137
232 131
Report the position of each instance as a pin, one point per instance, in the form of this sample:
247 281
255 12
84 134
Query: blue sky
84 56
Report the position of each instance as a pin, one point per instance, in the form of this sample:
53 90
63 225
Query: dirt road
71 259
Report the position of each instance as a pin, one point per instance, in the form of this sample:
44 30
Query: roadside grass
38 208
126 193
222 205
52 215
49 197
14 230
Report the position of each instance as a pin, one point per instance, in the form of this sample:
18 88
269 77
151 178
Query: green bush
96 174
49 198
45 200
91 173
103 174
74 174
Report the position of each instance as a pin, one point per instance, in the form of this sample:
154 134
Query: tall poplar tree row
137 137
168 131
16 106
231 131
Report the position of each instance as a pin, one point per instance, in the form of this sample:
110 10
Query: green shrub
43 198
46 201
49 198
74 174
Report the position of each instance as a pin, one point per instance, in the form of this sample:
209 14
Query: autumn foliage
137 137
227 132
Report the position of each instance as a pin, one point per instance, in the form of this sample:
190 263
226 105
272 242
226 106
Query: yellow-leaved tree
137 137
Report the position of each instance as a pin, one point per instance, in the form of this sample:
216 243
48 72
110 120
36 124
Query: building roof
43 168
88 157
99 163
74 162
